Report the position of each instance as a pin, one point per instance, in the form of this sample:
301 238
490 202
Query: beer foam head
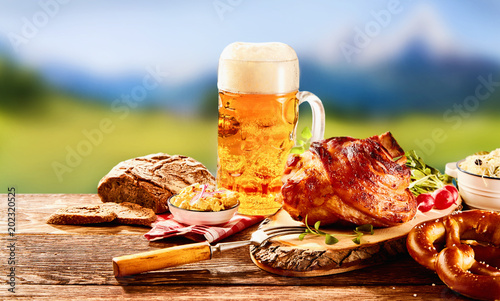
258 68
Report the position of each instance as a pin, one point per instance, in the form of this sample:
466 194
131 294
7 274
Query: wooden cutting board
289 256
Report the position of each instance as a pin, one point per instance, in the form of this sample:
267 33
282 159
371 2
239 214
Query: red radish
443 199
453 190
425 202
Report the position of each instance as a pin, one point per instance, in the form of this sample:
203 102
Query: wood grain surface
74 262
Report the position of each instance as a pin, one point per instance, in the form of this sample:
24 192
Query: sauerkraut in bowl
478 179
485 164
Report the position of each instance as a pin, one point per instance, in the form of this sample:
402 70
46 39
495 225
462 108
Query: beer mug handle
318 114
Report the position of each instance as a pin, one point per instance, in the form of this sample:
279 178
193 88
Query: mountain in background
179 97
418 67
414 80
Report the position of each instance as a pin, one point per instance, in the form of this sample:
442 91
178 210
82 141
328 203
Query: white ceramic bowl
208 218
477 191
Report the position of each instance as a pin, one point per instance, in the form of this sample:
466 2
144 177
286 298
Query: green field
68 146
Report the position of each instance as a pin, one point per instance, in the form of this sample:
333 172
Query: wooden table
74 262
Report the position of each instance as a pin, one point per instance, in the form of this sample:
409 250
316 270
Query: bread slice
78 215
123 213
131 214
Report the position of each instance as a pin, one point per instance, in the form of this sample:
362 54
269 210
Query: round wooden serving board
289 256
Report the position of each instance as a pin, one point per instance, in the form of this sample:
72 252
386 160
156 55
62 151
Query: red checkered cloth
165 226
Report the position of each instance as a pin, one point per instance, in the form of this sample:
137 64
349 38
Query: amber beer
258 113
255 137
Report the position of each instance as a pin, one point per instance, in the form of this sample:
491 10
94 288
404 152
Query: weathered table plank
62 263
86 259
265 292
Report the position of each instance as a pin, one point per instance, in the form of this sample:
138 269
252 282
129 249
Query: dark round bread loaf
150 180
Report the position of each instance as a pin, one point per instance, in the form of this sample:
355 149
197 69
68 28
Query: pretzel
464 250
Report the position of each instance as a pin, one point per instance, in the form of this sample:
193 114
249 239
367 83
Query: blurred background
87 84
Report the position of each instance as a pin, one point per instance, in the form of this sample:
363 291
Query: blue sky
186 37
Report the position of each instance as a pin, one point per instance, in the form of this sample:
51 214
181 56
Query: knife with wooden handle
179 255
159 259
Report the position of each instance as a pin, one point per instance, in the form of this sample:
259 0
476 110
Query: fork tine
284 233
262 235
281 231
278 229
283 227
277 234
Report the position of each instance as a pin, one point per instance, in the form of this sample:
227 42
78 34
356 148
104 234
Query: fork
174 256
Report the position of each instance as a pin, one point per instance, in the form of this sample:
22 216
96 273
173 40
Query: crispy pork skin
348 180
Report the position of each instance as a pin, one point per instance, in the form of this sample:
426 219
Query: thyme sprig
330 239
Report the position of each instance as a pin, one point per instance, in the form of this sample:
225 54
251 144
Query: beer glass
258 112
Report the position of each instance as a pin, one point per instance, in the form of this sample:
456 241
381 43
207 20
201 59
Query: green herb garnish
330 239
424 178
302 144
